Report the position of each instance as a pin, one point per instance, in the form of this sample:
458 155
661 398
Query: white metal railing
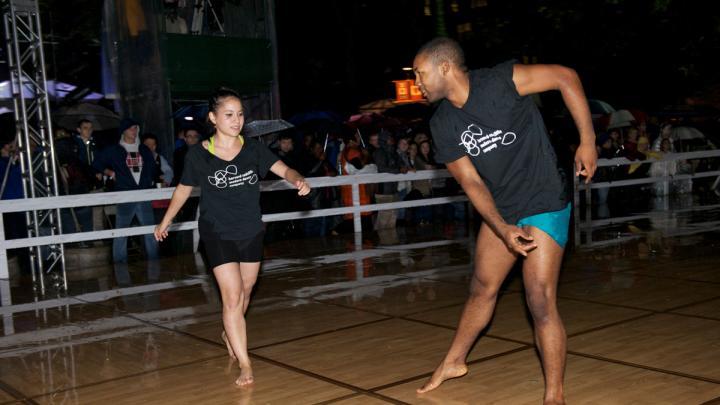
111 198
588 223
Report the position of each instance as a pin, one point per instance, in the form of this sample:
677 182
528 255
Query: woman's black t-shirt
504 136
230 198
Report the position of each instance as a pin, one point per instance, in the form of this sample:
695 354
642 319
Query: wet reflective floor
345 321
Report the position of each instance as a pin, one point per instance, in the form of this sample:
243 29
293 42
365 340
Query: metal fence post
357 223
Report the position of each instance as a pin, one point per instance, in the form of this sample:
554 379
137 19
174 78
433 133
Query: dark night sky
338 54
632 53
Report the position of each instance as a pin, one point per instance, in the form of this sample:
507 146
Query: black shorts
220 251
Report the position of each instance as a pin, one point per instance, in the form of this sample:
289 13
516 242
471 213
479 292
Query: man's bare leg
540 275
493 261
233 293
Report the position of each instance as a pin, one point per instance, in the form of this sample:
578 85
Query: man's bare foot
230 350
442 373
246 376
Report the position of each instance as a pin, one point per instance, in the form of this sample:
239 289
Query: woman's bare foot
554 402
246 376
230 350
442 373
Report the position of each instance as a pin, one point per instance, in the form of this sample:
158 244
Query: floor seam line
643 367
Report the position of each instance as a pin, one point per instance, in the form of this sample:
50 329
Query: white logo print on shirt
474 141
229 177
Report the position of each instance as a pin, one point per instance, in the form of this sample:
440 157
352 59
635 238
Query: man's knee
541 303
483 290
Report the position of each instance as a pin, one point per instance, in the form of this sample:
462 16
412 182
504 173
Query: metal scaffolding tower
36 152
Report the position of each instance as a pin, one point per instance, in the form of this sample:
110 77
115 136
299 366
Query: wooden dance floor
332 325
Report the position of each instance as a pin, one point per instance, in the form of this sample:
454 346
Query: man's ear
444 67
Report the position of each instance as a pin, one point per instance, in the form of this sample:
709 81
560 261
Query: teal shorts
556 224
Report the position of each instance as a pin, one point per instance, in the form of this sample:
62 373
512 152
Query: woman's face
412 150
228 117
425 148
665 145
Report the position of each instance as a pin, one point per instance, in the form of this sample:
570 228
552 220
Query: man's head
286 143
129 129
403 145
434 65
150 140
374 140
192 136
85 128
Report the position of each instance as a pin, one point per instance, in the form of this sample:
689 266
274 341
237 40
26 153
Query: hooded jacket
114 157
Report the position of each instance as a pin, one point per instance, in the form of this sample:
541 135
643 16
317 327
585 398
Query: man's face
151 144
403 145
286 145
85 129
192 137
131 134
428 78
374 140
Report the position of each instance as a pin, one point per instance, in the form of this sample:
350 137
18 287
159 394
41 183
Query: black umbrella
101 117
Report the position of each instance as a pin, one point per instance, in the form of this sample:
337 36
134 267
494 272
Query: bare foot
246 376
554 402
230 350
442 373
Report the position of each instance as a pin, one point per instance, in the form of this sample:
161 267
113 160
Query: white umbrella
685 133
621 118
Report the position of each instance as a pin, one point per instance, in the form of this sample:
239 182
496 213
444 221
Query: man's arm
531 79
517 240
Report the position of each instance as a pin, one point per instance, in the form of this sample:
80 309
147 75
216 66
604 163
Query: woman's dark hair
220 94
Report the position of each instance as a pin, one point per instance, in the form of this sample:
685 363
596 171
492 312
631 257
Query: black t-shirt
504 136
230 198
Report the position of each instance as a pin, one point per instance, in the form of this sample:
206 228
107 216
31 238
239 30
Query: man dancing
493 140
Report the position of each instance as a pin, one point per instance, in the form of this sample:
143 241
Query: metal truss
34 139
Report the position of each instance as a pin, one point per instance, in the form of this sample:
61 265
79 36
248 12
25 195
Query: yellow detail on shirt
211 143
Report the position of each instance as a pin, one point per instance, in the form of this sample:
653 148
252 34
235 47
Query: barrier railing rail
589 223
111 198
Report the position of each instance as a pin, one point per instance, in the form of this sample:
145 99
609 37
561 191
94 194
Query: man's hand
586 161
302 186
517 240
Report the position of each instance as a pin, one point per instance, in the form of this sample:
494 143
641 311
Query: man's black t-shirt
230 198
504 136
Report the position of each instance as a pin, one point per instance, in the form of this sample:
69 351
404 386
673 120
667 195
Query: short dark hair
443 49
82 121
149 135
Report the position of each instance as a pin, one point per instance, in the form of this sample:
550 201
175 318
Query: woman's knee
233 300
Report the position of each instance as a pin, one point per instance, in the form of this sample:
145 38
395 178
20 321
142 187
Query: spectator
665 133
355 160
387 161
321 197
14 223
163 170
130 165
406 165
187 136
